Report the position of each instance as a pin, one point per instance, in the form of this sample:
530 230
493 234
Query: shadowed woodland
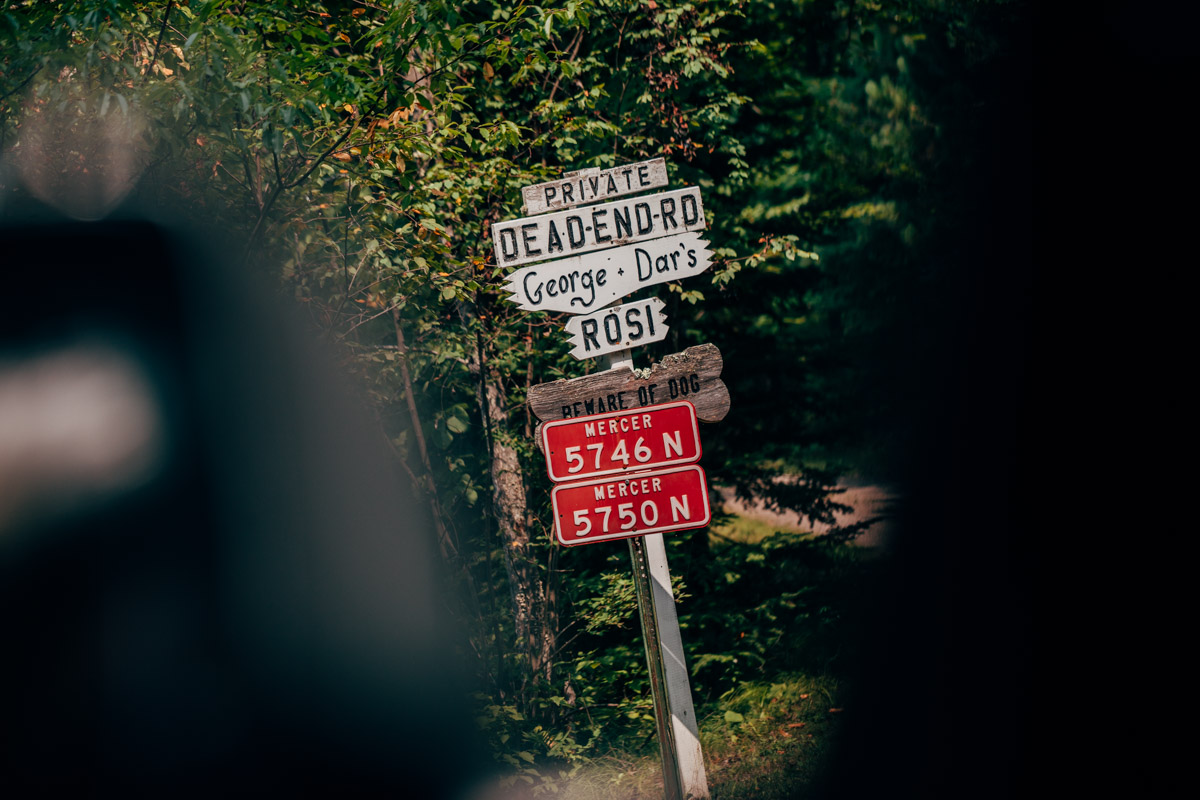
865 174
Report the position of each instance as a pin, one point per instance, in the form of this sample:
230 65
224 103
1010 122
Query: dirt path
865 499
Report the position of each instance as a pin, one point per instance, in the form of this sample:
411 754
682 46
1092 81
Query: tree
361 151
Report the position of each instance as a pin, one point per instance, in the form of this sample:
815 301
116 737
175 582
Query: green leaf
733 716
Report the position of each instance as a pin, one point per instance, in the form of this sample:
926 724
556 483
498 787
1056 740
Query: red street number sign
621 441
655 501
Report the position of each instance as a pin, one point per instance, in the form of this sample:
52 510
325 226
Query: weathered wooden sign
591 185
623 441
582 230
655 501
617 328
693 375
579 284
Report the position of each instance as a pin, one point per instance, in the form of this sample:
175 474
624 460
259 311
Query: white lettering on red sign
655 501
624 441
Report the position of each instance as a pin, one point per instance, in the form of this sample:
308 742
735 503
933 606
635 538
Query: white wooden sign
591 185
617 328
582 230
584 283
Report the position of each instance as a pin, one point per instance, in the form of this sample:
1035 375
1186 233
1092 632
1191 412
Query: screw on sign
655 501
607 444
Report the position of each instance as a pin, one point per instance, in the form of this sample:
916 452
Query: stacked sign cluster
622 447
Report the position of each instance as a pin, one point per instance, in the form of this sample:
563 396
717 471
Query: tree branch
158 44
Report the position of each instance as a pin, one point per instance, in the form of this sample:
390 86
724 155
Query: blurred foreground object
80 153
210 576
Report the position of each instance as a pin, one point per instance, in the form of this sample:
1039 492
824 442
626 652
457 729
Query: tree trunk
531 610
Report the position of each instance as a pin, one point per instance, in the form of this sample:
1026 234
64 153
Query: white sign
582 230
590 185
585 283
617 328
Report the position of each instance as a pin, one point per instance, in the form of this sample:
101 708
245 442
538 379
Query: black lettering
564 284
601 276
667 206
638 255
589 327
622 223
566 411
612 336
589 406
673 387
550 192
695 382
568 190
661 264
528 240
684 387
598 226
585 280
636 328
674 260
600 404
650 319
576 407
643 396
506 241
612 402
533 298
551 288
691 258
595 185
644 175
653 386
612 185
638 210
625 172
553 241
572 232
689 200
621 400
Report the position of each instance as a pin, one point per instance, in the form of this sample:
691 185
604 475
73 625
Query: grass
746 530
763 741
771 738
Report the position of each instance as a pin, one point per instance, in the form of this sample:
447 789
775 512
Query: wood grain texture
694 374
582 230
580 284
617 328
591 185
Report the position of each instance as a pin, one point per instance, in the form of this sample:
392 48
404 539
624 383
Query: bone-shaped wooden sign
694 374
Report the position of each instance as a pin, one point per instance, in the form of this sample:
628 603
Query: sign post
621 444
647 611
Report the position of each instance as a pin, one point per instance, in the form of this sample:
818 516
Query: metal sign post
642 582
684 777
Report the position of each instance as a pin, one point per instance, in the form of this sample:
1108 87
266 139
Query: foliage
361 151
